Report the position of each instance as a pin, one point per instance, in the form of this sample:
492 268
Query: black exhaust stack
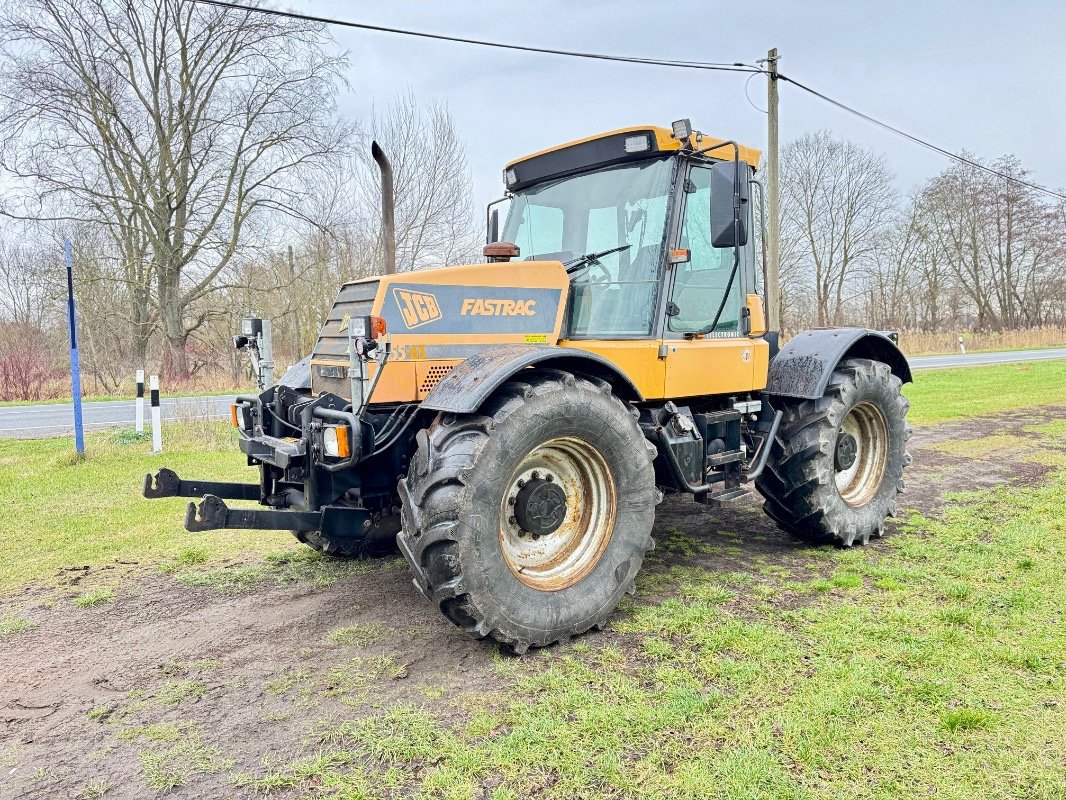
388 207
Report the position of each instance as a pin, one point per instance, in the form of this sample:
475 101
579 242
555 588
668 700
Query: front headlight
335 441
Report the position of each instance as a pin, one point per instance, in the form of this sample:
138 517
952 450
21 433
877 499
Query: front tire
837 463
527 522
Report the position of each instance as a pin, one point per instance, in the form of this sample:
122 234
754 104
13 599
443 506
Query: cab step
723 498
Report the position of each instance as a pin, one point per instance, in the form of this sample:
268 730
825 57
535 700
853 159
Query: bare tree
435 221
837 198
1003 245
894 276
27 283
172 124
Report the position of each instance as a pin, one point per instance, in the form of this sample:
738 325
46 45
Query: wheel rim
563 556
861 454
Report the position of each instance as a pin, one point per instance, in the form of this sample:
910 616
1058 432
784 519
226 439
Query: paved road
28 422
979 359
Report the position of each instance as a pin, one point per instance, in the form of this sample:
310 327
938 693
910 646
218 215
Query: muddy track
251 674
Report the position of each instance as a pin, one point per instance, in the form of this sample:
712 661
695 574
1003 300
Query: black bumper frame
212 513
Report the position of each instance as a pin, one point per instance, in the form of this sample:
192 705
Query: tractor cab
629 214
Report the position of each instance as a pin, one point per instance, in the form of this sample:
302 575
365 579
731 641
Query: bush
27 371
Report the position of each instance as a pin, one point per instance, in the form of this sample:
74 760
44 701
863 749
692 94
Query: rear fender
803 366
471 383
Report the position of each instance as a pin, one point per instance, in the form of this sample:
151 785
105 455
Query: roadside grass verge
60 512
941 395
933 664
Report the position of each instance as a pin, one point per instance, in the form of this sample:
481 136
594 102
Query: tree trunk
175 357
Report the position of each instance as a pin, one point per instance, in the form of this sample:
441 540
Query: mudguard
803 366
468 385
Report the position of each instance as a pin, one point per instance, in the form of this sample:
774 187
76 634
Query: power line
922 142
658 62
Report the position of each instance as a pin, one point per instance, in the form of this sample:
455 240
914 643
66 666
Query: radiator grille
353 300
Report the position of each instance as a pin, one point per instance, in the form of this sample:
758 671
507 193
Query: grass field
933 666
60 512
929 664
941 395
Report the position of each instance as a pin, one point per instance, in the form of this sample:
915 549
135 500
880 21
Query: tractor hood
437 318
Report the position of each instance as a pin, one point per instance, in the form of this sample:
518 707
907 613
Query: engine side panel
438 318
465 388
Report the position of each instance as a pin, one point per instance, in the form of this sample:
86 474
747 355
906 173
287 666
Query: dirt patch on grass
183 682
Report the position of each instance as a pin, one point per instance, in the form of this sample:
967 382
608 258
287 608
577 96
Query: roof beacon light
637 144
682 129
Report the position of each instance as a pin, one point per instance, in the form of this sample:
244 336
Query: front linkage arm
338 522
168 484
213 514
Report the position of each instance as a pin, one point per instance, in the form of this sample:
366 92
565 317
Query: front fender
471 383
803 366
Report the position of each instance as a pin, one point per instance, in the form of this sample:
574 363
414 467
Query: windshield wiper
591 258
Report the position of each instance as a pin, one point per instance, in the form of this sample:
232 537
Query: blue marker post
75 363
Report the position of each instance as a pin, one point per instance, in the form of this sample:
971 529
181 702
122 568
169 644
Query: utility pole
773 199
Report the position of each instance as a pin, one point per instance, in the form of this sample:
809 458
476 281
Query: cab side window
700 283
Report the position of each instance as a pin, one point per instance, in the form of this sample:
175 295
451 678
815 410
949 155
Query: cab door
724 360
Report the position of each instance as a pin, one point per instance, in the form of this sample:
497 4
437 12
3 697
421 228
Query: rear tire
527 522
837 463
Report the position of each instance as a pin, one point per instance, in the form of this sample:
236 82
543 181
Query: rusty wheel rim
860 480
559 559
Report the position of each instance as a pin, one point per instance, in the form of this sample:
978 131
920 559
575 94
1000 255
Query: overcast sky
984 76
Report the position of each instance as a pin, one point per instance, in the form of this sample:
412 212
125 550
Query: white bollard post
140 401
157 422
962 347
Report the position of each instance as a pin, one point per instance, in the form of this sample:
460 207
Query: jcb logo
416 308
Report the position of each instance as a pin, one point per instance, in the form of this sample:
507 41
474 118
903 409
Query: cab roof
612 147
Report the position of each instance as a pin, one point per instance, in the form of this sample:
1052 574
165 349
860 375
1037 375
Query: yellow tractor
513 424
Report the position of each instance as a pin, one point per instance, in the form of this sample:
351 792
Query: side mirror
493 233
729 188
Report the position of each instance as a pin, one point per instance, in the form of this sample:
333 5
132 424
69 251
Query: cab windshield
625 207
